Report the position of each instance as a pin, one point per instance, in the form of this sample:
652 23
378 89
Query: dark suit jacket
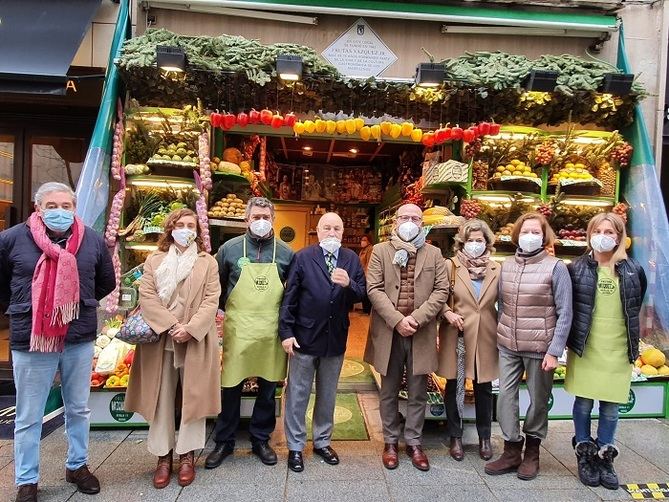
314 310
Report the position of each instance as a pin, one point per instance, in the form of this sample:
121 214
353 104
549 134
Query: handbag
135 330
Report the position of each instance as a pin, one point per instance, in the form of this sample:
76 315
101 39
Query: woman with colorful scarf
178 295
468 334
53 272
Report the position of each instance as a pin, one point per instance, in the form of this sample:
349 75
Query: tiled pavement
120 459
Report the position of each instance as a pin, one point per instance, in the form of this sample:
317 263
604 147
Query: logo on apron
261 283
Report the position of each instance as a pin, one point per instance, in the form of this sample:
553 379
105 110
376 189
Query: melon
232 155
663 370
653 357
648 370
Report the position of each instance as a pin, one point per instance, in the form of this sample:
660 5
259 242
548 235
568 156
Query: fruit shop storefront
464 139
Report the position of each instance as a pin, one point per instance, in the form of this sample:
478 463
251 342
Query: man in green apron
253 269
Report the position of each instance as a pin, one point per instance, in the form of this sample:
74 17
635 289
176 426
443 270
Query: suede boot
607 474
509 461
588 466
529 468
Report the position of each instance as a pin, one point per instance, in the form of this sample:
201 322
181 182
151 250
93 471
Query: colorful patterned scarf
55 286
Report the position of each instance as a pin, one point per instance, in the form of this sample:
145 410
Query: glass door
8 149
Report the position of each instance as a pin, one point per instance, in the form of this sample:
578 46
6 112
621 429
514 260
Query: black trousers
263 419
366 305
482 404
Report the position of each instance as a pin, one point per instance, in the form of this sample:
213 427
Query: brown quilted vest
405 303
528 315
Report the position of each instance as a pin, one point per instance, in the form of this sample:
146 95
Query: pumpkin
232 155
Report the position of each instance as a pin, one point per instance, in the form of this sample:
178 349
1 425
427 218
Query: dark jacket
257 250
314 310
18 258
632 280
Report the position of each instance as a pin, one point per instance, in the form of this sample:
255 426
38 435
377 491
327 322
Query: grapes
473 148
622 153
545 153
469 208
621 210
546 210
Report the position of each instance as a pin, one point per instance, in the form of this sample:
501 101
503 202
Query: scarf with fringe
174 268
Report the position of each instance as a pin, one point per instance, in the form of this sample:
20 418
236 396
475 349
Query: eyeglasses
404 219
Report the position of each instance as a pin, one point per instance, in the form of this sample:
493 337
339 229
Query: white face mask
602 243
260 227
330 244
530 242
474 249
408 231
183 236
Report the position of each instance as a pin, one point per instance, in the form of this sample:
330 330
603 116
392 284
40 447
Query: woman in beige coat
470 317
178 294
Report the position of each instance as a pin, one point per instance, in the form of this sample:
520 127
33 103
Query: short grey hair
54 186
258 202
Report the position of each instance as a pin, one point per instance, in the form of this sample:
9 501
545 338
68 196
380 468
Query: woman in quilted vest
468 337
178 295
535 313
604 342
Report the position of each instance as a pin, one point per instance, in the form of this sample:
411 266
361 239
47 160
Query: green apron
604 372
251 345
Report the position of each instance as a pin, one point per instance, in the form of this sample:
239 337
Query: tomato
266 116
242 119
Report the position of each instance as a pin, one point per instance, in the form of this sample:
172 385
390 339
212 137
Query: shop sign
359 52
627 407
116 409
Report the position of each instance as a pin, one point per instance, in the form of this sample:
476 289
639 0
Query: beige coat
202 367
430 294
480 320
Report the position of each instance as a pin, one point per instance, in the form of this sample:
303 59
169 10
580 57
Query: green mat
348 419
355 371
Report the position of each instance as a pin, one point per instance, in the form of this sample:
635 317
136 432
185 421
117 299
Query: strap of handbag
451 296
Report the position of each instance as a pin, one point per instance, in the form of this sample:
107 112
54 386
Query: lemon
500 169
506 172
569 165
515 162
517 173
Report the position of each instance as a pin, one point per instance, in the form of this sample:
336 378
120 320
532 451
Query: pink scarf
55 286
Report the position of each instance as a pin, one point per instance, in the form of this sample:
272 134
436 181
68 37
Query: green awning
490 16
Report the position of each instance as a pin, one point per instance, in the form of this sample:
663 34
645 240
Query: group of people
286 314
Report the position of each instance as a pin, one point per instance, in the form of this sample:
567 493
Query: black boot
607 474
588 465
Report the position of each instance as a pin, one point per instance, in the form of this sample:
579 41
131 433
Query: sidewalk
125 468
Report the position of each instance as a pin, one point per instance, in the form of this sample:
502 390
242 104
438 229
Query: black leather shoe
27 493
327 454
295 461
86 482
218 454
264 452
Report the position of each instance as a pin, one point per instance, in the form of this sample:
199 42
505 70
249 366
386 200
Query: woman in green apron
604 342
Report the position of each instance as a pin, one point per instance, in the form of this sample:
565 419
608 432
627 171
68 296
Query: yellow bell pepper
359 123
385 127
376 131
330 127
341 126
350 126
321 125
298 128
365 133
407 127
309 126
417 135
395 131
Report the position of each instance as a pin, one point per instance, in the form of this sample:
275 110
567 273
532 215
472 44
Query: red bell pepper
242 119
215 119
290 119
468 135
484 128
266 116
229 120
254 116
494 129
277 121
428 139
456 133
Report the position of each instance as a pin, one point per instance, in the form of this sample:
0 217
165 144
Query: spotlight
617 83
539 80
289 67
171 58
430 74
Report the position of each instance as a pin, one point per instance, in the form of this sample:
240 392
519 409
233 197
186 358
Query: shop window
56 159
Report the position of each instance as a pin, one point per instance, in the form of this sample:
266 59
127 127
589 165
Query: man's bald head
330 225
409 212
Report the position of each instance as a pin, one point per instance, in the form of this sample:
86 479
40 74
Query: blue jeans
608 420
33 376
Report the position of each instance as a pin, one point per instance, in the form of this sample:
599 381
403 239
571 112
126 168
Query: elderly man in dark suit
324 281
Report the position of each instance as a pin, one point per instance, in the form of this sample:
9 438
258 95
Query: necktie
329 261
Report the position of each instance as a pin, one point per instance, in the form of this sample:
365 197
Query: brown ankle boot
186 468
529 468
161 478
509 461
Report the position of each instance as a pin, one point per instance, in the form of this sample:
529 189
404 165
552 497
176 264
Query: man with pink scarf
53 272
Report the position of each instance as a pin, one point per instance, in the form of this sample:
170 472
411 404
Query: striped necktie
329 261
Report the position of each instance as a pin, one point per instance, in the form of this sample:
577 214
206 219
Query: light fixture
617 83
289 67
540 80
518 30
171 58
164 183
354 151
306 148
142 247
430 74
